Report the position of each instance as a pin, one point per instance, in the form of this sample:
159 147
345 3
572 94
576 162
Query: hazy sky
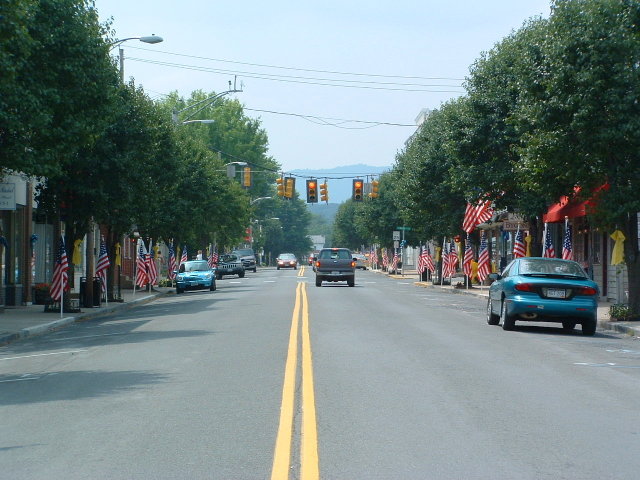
392 59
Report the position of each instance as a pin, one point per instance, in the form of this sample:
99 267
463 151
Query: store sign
7 196
513 226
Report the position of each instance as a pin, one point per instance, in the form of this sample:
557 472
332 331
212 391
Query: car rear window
550 267
335 254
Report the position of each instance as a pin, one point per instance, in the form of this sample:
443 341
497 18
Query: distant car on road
361 261
287 260
536 289
248 258
229 264
195 274
335 265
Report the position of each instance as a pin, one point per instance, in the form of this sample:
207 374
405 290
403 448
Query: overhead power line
262 65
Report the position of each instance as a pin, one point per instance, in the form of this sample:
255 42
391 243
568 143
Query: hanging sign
7 196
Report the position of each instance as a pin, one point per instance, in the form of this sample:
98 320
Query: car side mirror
495 276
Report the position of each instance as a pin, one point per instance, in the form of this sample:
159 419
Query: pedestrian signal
312 191
356 194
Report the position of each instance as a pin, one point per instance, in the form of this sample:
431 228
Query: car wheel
278 268
241 275
179 290
254 270
318 281
218 276
507 320
568 325
492 318
351 283
213 286
589 327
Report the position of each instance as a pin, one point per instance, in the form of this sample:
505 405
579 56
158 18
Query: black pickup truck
335 265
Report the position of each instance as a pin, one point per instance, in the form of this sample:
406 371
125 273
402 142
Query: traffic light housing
312 191
374 189
289 187
324 193
280 186
246 177
356 193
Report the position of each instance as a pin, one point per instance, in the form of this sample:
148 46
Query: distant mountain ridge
339 179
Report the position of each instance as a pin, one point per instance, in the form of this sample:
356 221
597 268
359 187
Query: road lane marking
44 354
309 469
282 454
309 456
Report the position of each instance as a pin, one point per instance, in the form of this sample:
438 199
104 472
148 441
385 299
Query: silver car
361 261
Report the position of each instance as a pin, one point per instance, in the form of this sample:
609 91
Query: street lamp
207 102
257 199
118 43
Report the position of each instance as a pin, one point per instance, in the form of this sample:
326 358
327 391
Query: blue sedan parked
195 274
539 289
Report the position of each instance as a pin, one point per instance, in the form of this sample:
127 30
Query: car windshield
287 256
539 266
228 258
244 252
194 267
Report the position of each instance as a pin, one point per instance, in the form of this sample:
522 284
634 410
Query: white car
361 261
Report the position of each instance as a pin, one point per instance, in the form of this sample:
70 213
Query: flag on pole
141 265
445 260
548 251
519 249
152 269
453 258
172 262
475 215
394 262
483 258
184 256
567 247
60 282
212 260
422 261
102 266
468 257
429 259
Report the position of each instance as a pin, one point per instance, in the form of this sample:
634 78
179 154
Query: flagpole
106 296
444 241
135 270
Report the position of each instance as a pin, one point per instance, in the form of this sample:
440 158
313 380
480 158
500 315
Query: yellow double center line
309 469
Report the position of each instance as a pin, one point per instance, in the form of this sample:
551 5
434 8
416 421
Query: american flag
425 262
422 266
468 257
172 262
548 251
519 248
453 259
385 259
445 260
429 259
60 282
374 257
394 262
475 215
103 265
184 256
152 269
213 256
483 259
567 247
141 265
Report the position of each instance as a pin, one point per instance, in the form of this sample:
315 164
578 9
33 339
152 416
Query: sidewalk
27 321
629 328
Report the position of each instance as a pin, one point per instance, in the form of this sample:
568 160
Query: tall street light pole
118 43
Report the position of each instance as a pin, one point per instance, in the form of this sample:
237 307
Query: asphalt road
271 376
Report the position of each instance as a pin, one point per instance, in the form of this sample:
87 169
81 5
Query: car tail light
318 263
524 287
353 264
586 291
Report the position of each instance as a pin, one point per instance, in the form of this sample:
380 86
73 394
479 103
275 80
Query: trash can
97 291
83 292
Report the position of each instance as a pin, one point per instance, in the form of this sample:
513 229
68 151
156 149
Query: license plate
556 293
335 273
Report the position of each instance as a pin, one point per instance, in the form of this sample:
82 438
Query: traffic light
324 193
312 191
280 186
374 189
356 193
246 177
290 187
